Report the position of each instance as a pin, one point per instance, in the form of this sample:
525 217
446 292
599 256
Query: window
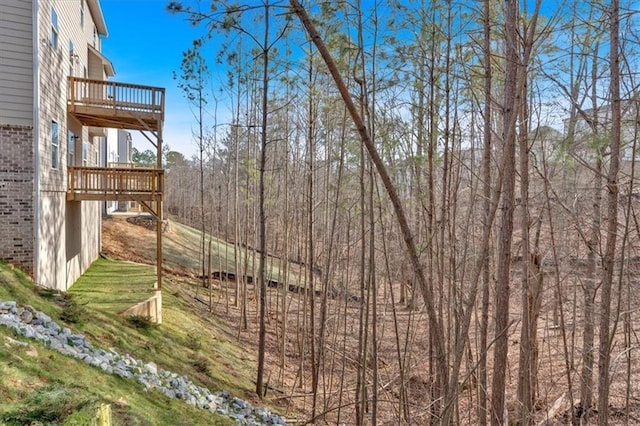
81 13
71 150
55 144
54 28
72 57
85 154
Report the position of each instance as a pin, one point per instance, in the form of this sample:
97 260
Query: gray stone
151 368
9 321
26 316
54 328
29 332
75 339
190 399
69 350
169 392
42 317
7 305
106 368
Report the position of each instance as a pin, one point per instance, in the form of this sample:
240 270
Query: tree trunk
486 192
510 104
604 357
263 220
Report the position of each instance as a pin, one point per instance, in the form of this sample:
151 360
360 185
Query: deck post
159 216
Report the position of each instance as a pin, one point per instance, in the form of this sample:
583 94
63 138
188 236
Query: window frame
71 149
81 13
71 57
55 32
55 144
85 153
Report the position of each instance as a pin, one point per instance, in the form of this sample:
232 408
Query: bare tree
604 356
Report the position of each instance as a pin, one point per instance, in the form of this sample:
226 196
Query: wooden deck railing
128 165
85 92
99 183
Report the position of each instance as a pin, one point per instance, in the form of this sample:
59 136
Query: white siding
16 62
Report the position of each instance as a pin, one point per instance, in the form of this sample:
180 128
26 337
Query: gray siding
49 237
16 63
69 232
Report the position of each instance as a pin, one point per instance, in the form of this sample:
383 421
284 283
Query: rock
75 339
42 318
10 321
7 306
263 415
26 316
53 328
169 393
151 368
123 373
190 399
69 350
29 332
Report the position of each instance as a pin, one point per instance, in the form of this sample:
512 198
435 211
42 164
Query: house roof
98 17
108 66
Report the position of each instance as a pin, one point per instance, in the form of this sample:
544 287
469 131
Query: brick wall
17 196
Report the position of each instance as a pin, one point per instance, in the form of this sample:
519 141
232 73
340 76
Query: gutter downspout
36 140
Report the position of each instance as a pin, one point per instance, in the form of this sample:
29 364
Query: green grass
114 286
40 385
182 247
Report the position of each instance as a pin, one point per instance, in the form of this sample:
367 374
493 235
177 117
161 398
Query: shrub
200 364
193 340
49 405
141 322
71 311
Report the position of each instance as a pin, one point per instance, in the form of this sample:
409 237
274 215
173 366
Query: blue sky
145 45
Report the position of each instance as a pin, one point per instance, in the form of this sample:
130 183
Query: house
116 151
55 103
592 128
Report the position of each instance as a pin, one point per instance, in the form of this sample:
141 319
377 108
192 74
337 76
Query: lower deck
115 184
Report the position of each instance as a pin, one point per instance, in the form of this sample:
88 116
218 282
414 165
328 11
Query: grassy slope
181 251
35 379
183 247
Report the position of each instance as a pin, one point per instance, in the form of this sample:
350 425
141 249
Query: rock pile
28 322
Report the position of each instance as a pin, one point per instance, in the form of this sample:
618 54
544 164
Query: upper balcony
101 103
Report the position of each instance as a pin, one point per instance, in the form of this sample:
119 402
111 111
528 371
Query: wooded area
453 185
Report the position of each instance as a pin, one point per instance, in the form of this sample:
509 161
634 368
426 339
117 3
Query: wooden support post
159 215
